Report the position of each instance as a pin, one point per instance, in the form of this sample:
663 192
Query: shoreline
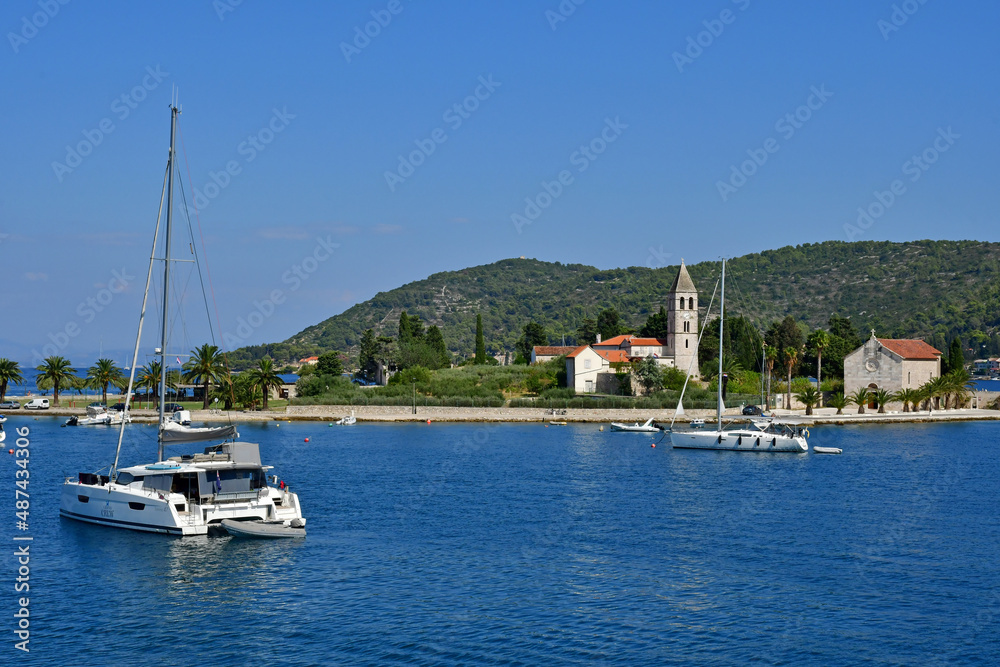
331 413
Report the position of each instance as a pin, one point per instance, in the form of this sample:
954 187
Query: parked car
172 407
118 407
10 405
37 404
753 410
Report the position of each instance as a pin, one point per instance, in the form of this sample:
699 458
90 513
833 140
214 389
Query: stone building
891 364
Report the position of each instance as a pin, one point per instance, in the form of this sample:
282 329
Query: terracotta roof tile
649 341
910 349
613 355
552 350
613 342
577 351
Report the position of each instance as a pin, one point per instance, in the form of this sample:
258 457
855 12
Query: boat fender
739 441
756 444
805 432
773 441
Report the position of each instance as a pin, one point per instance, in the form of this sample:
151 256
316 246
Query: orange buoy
10 451
653 445
428 421
307 439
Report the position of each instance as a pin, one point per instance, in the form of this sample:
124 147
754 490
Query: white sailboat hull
738 441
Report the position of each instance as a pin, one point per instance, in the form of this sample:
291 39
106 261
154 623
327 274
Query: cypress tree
480 342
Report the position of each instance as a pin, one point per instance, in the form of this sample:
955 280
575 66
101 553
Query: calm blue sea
450 544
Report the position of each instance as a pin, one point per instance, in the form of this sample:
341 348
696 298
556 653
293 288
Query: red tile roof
613 355
649 341
910 349
613 342
552 350
577 351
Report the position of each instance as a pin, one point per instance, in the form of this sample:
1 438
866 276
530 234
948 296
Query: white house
589 370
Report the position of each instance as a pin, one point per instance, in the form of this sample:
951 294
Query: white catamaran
190 494
764 434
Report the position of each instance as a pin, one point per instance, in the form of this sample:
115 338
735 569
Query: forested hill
929 289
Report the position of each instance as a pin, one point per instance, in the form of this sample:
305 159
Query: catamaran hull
739 441
150 513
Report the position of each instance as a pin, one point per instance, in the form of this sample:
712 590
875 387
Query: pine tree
480 341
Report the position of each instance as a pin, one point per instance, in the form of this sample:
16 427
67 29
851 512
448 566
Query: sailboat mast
722 319
174 111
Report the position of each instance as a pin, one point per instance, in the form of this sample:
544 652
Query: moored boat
190 494
646 427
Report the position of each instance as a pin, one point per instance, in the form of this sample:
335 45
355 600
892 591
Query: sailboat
764 434
191 494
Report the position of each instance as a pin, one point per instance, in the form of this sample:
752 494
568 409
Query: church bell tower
683 322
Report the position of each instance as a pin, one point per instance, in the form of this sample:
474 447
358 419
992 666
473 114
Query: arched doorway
872 388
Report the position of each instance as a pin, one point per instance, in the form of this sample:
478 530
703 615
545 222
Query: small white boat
697 423
346 421
2 419
267 530
827 450
3 434
647 427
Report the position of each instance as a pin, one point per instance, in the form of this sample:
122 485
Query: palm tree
922 395
907 397
791 358
265 377
808 397
860 398
840 402
10 372
960 384
149 378
205 366
881 397
770 356
936 388
57 370
819 340
103 373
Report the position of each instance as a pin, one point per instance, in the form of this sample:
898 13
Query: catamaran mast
722 319
174 112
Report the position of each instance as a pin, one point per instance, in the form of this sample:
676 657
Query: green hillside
929 289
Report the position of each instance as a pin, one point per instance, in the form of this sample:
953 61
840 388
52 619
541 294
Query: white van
37 404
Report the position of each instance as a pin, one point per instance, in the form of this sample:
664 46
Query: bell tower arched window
682 303
691 303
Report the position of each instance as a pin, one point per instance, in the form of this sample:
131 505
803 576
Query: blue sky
603 133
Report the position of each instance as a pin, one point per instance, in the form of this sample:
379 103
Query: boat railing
235 496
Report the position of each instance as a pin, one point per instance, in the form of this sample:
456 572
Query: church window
685 344
907 377
682 303
691 303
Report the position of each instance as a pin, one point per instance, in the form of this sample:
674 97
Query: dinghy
267 530
827 450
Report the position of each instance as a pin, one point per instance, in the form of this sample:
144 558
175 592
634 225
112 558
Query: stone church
891 364
591 368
